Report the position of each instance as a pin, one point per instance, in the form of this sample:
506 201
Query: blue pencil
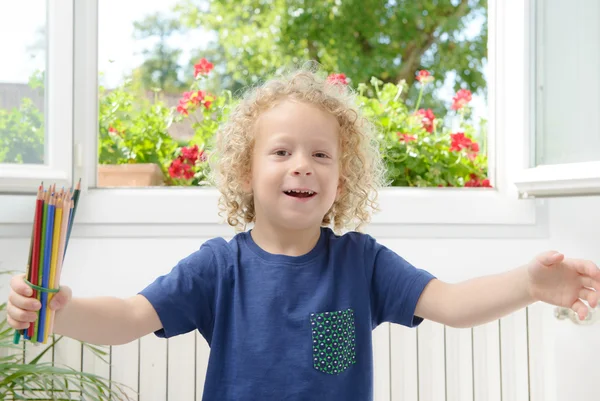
46 271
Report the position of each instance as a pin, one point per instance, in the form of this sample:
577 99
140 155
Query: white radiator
499 361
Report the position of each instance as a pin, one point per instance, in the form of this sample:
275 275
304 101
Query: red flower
424 76
402 137
337 79
113 131
184 165
194 98
182 109
190 154
203 67
180 169
460 142
474 181
462 98
427 119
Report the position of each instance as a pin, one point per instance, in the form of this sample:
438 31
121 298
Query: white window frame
428 212
58 110
550 180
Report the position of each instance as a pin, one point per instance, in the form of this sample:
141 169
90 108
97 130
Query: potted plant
205 112
135 146
418 150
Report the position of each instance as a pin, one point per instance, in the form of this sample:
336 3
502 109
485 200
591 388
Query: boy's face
295 165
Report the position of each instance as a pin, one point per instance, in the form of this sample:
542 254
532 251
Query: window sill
26 178
193 212
573 179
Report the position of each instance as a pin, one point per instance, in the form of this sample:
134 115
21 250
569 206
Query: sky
118 52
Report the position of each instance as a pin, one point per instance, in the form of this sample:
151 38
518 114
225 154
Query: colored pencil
53 262
66 206
32 250
46 272
50 233
37 277
35 258
73 211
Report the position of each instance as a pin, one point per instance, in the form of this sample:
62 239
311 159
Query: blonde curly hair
361 167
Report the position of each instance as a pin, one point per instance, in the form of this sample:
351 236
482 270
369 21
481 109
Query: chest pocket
334 340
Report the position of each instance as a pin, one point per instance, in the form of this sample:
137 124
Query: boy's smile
301 194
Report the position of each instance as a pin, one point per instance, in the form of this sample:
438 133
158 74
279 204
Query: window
424 211
35 94
167 68
565 150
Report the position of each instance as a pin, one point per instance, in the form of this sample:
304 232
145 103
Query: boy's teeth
301 192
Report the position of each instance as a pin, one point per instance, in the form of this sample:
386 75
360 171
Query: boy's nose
302 167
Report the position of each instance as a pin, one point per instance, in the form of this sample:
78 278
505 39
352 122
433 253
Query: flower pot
129 175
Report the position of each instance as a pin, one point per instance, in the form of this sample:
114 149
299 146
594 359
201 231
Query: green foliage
363 38
133 129
22 130
206 112
22 134
160 68
414 156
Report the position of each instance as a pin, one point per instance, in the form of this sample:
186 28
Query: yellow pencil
53 261
66 205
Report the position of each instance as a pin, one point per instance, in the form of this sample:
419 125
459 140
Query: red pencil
35 257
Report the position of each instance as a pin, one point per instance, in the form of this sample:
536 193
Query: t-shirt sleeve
184 298
396 286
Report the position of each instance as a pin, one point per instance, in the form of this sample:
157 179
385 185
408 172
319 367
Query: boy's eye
281 152
320 154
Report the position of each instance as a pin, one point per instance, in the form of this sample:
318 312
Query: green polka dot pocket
333 339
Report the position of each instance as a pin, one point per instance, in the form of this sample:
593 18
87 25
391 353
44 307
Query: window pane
22 98
168 71
568 87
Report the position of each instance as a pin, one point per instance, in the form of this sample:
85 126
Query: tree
389 39
160 68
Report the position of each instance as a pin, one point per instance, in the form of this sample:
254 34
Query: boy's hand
21 309
564 282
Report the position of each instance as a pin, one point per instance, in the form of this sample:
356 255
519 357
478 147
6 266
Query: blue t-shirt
288 327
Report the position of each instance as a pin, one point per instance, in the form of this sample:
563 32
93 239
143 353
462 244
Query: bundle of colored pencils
53 220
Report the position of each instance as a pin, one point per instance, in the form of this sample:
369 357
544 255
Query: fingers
60 299
18 285
580 308
21 315
15 324
590 296
22 302
22 308
550 257
589 282
584 267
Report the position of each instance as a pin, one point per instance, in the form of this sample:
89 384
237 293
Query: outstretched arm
548 278
107 320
